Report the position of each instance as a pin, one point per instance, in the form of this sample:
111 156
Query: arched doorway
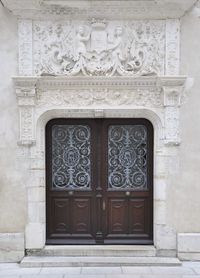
99 181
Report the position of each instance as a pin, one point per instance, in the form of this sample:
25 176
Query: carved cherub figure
116 46
81 40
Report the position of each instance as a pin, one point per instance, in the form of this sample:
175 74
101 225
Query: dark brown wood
99 216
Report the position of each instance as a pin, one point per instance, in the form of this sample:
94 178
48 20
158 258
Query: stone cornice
137 9
67 83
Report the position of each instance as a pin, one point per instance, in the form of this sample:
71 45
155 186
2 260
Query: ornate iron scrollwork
127 157
71 165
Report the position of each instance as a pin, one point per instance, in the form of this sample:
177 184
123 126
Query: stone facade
95 68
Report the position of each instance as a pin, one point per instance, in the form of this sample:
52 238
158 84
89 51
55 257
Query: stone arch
148 114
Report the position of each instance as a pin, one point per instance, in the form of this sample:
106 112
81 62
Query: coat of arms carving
99 48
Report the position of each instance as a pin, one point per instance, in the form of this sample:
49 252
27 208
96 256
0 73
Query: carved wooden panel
81 210
137 215
60 217
117 217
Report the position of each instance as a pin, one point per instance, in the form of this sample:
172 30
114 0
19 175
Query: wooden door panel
81 220
60 216
137 208
128 147
99 181
117 220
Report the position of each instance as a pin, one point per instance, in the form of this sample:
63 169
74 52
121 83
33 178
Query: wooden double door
99 181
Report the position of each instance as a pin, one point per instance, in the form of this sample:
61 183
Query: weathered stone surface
11 247
97 261
35 236
96 251
132 9
188 246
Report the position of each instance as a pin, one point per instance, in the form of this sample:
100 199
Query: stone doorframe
41 99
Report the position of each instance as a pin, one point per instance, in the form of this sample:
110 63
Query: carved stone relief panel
25 47
95 97
172 132
99 47
27 136
172 47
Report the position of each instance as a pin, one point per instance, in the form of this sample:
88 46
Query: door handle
104 205
127 193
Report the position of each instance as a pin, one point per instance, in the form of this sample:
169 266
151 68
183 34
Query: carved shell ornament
99 49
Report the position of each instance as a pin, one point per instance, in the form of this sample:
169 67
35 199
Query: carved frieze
105 97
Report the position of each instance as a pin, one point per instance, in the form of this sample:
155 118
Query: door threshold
96 250
97 261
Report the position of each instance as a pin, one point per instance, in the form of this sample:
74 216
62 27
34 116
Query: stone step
96 250
37 261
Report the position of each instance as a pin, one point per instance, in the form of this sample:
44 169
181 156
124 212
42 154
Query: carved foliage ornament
99 48
94 97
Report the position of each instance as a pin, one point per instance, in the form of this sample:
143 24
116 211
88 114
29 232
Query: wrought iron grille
71 162
127 157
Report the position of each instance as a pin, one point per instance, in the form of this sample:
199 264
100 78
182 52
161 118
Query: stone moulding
115 9
160 95
116 81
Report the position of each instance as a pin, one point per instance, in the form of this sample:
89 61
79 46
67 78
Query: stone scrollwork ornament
99 48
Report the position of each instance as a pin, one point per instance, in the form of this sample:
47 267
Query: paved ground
187 270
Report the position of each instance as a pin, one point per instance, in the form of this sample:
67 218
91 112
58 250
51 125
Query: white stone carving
172 133
26 94
172 47
173 96
99 48
25 47
37 95
106 97
26 126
